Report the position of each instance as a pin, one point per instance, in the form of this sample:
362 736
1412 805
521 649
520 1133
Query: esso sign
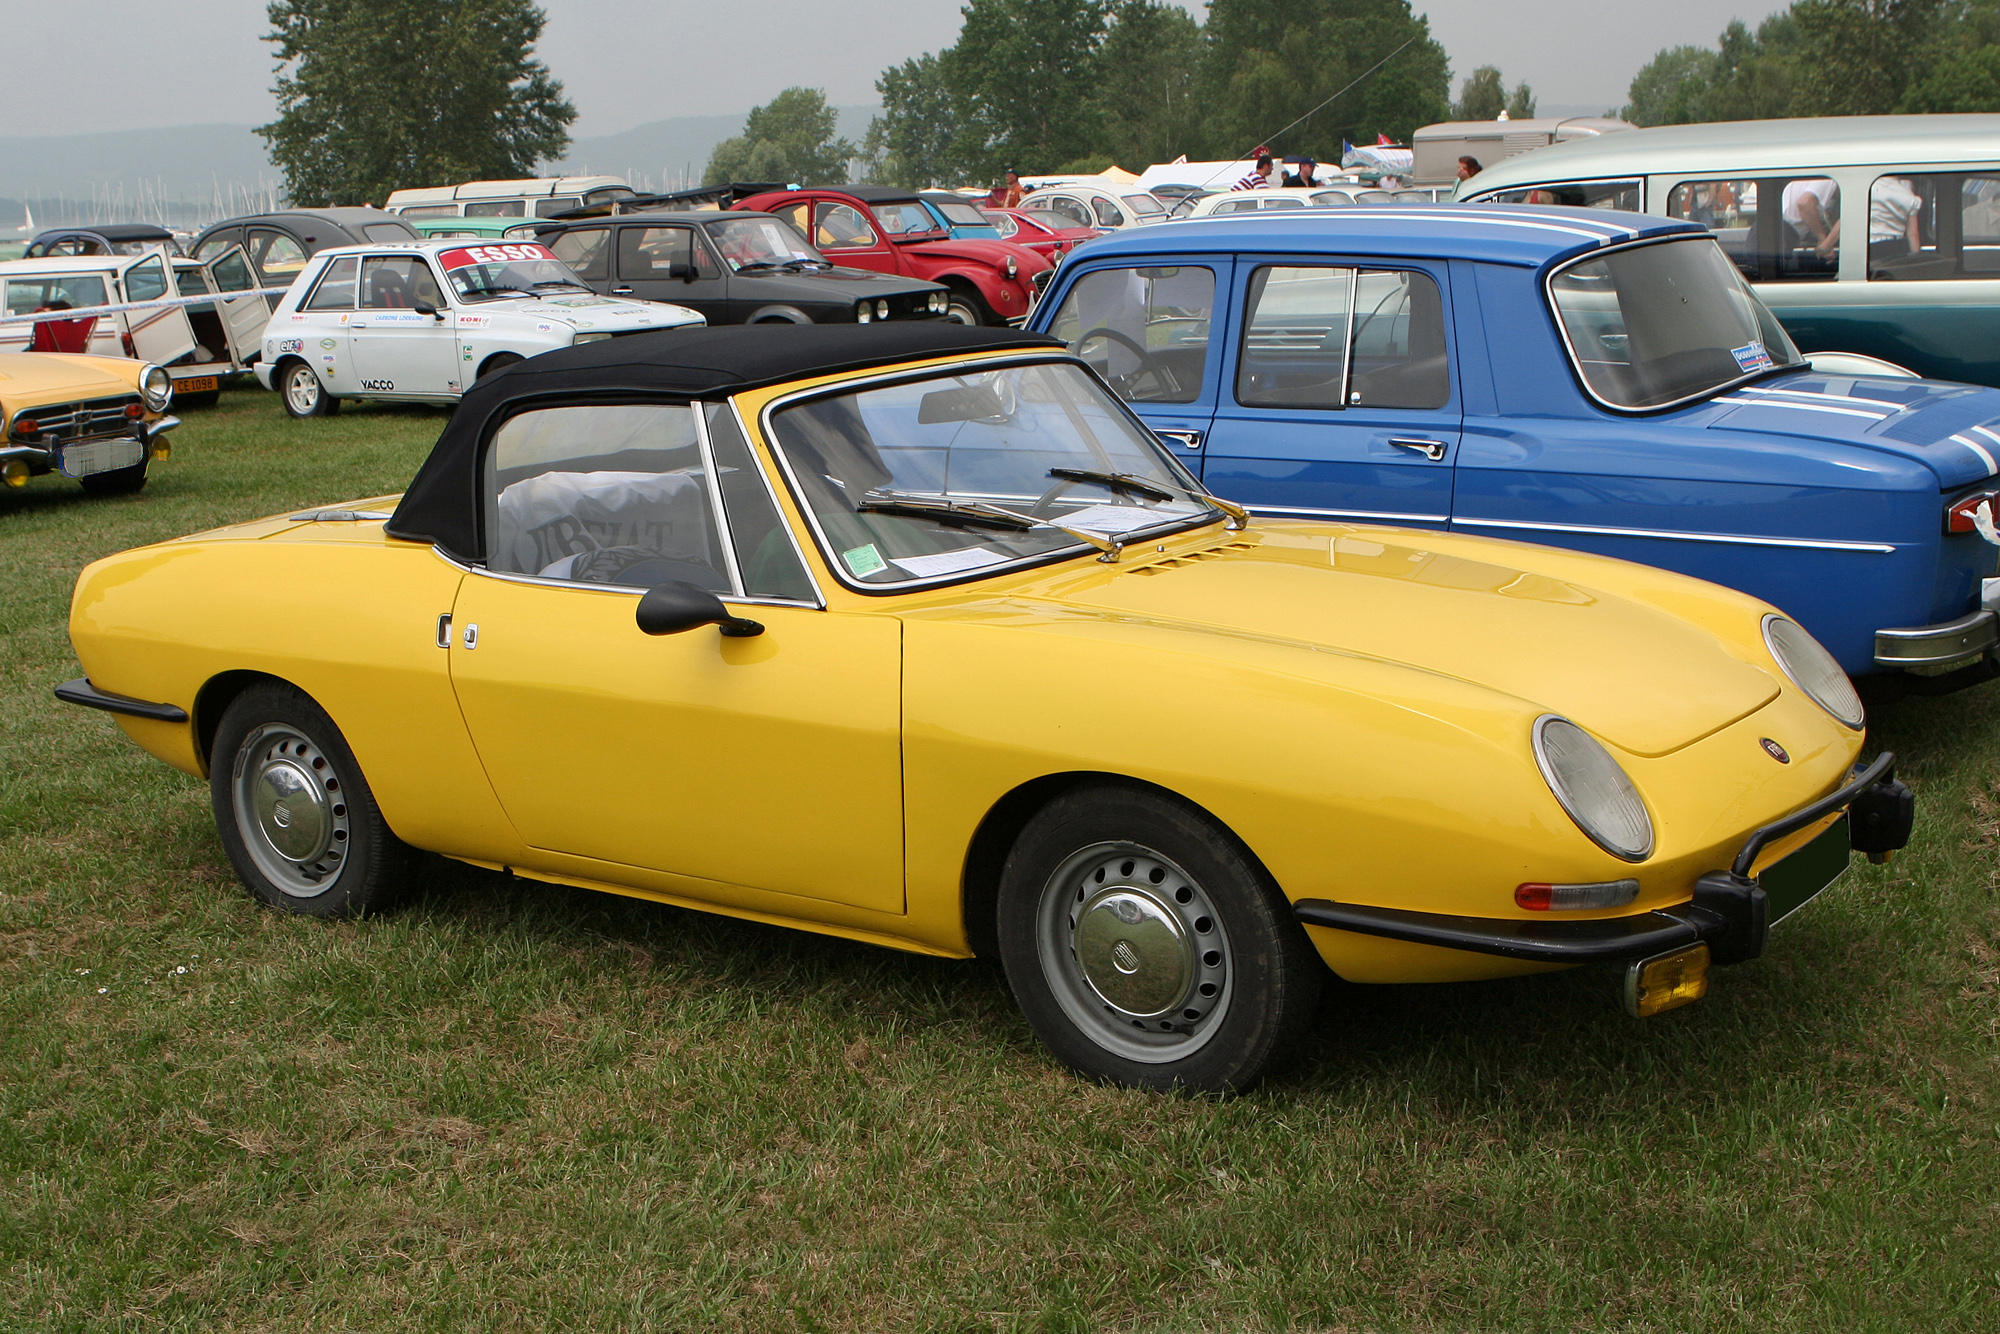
511 253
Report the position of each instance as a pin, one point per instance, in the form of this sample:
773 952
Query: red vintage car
889 230
1049 235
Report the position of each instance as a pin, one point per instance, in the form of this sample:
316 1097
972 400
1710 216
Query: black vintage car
735 268
279 243
116 238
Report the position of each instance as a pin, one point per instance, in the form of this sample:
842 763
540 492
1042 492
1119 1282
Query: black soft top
878 194
442 505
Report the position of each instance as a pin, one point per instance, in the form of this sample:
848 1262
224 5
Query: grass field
517 1107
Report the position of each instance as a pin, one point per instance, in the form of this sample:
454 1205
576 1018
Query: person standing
1260 179
1303 178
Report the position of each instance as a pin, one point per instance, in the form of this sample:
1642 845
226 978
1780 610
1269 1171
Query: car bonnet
597 312
1512 618
1952 429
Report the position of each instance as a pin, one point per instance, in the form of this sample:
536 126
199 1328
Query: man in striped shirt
1260 179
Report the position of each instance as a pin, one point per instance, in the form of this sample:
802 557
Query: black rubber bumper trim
81 691
1599 940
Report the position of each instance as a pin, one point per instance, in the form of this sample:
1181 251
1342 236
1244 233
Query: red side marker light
1537 897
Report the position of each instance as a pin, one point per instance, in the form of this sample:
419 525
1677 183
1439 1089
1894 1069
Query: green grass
517 1107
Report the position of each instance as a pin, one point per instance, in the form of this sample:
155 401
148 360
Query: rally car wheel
117 482
294 812
1148 948
500 361
304 395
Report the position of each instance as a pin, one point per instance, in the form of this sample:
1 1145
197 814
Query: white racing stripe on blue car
1860 404
1804 407
1985 455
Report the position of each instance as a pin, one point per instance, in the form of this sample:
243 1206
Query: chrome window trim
578 586
725 537
1048 357
1306 512
1651 409
1492 196
784 520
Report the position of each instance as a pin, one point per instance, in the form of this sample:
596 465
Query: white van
542 198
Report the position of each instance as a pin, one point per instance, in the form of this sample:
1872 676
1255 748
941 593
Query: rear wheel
965 308
303 395
294 812
1147 947
499 361
118 482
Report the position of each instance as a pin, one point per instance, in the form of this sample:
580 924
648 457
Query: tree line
1831 58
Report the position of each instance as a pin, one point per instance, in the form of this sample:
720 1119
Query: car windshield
505 271
954 475
763 243
963 215
1660 324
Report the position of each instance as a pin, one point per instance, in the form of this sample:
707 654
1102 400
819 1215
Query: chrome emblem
281 815
1774 750
1124 958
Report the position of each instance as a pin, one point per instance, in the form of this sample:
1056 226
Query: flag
1384 141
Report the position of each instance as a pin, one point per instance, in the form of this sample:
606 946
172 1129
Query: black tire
1221 982
118 482
295 813
499 361
300 390
965 308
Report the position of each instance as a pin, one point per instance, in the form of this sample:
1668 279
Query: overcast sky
625 62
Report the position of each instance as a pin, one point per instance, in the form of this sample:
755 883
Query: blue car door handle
1430 449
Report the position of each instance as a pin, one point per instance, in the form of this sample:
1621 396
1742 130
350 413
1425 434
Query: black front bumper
1730 910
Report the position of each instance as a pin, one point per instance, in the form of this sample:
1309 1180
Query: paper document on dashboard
1114 519
950 562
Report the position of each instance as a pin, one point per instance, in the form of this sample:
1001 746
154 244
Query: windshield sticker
864 561
493 254
1751 357
1114 519
950 562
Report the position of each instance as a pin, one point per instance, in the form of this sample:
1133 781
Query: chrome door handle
444 629
621 291
1185 439
1430 449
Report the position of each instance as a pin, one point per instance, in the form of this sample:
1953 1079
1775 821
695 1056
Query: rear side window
389 231
1573 194
1107 212
335 290
147 280
586 251
1934 227
548 208
498 208
1144 330
232 273
1078 215
277 256
1329 338
603 495
1773 228
28 295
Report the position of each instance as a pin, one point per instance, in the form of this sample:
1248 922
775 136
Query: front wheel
500 361
1148 948
303 394
295 814
965 309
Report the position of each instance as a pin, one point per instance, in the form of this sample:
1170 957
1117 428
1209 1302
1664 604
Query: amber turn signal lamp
134 411
14 473
1666 981
1575 898
160 449
27 426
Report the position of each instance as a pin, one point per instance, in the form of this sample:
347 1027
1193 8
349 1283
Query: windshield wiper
494 291
744 266
553 283
944 511
1116 481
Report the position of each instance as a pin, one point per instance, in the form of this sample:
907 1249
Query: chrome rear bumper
1933 648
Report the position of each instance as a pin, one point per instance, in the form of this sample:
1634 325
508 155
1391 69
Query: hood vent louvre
1190 557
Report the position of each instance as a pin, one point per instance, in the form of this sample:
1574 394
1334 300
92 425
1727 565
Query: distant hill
186 173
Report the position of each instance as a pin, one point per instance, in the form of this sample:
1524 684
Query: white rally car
423 320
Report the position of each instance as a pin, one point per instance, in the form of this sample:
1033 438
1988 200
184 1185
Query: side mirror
682 270
675 607
426 308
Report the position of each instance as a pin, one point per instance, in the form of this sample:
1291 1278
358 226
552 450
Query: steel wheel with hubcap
964 309
303 394
1147 947
295 815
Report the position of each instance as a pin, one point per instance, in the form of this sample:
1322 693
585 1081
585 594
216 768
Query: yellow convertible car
100 420
913 634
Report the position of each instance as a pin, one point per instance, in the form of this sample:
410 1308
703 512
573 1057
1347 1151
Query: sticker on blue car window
1751 357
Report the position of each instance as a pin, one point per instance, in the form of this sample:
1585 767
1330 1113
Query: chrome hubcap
302 388
290 810
1134 951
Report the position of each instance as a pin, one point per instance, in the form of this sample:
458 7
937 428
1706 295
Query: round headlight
938 303
1593 789
863 312
1813 670
156 387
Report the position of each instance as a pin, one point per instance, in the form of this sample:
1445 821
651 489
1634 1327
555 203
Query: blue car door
1153 332
1338 396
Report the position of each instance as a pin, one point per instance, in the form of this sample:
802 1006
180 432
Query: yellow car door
772 763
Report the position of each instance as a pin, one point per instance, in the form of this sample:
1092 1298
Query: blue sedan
1578 378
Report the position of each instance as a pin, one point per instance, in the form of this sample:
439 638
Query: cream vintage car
423 320
100 421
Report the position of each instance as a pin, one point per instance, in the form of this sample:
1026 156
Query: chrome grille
88 420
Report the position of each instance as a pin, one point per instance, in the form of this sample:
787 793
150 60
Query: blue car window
1295 338
1398 356
1144 330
